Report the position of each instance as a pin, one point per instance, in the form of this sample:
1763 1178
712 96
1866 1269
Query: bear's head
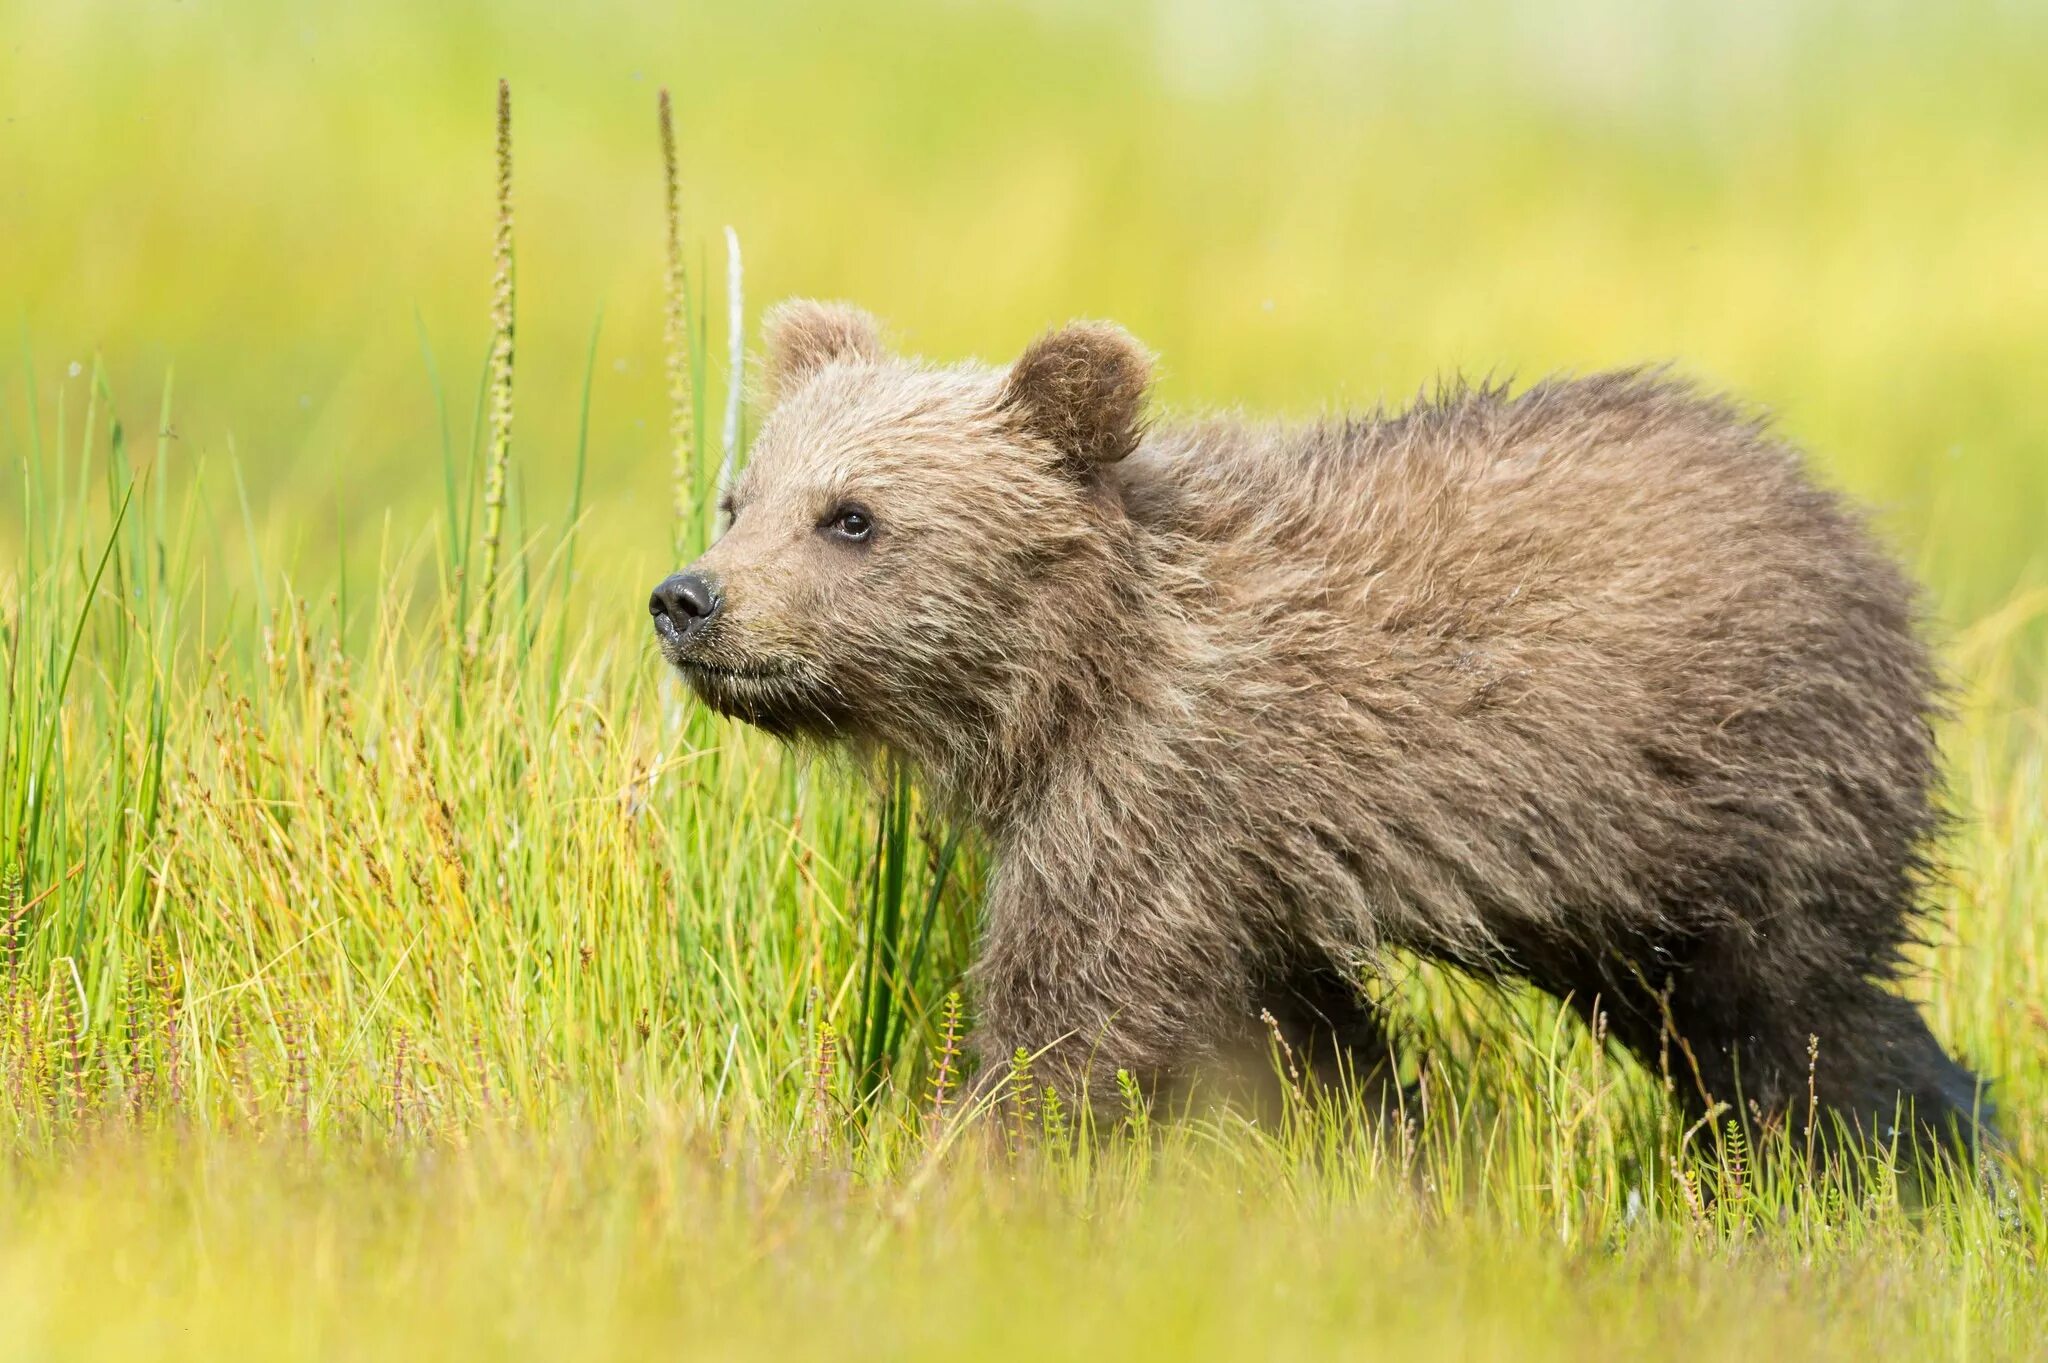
913 554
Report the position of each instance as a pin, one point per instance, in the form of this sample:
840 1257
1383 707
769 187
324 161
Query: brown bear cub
1590 685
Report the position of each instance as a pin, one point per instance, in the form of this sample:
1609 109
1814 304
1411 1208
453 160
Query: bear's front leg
1101 976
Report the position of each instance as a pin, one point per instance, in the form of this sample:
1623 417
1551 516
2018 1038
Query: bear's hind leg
1793 1045
1818 1041
1880 1071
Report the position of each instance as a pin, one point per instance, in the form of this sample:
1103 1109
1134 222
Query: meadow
393 960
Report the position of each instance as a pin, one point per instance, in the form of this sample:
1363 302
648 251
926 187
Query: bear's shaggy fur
1590 685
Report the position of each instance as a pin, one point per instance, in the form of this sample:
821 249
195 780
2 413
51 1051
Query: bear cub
1590 685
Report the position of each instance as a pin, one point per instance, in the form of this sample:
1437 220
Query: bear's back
1622 504
1606 617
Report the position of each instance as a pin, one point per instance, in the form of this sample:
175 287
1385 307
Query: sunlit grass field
393 961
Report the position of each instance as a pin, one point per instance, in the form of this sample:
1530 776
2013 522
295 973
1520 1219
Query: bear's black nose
683 602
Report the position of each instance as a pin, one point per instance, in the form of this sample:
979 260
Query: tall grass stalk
676 348
736 357
503 304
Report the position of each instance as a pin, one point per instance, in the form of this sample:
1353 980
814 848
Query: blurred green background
1838 210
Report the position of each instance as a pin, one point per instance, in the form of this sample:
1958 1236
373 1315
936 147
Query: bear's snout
682 604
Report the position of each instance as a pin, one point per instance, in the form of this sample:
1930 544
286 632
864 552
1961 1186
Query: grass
392 960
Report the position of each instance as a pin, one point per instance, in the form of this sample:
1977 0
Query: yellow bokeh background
1837 210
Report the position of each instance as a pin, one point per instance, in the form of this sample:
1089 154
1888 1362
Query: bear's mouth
728 672
774 696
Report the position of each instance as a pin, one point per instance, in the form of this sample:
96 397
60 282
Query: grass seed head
503 308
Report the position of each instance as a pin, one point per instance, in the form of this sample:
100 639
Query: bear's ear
805 335
1082 389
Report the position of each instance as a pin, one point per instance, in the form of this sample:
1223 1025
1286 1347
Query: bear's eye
850 523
